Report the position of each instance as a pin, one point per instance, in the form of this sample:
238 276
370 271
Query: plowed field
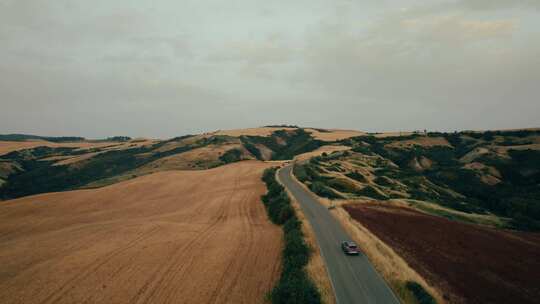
470 263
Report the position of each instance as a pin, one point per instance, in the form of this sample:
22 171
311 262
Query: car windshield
351 245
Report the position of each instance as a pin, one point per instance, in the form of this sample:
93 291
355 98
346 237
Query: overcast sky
167 68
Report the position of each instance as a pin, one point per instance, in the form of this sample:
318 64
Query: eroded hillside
490 177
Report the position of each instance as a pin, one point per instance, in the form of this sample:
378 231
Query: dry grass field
262 131
168 237
323 149
200 158
320 134
333 134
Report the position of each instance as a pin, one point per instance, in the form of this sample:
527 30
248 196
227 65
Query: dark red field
469 263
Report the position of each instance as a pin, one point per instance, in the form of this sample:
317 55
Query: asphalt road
353 277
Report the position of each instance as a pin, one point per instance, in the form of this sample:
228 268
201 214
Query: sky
167 68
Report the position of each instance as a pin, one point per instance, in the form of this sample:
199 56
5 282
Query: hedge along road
353 277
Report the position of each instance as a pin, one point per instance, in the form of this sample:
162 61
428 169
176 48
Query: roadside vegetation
294 285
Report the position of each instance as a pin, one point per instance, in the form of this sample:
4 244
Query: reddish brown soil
469 263
169 237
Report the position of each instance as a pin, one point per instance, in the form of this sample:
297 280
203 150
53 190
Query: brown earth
169 237
470 263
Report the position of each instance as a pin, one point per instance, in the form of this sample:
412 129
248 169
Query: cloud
253 52
454 30
452 63
191 65
497 4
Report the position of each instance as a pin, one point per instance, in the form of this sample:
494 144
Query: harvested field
320 134
263 131
469 263
392 134
424 141
199 158
169 237
333 134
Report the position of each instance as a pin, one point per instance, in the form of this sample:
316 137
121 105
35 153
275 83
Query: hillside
162 238
490 177
34 165
461 210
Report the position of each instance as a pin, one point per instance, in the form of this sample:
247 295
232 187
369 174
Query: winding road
353 278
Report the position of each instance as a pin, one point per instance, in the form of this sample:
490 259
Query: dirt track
169 237
470 263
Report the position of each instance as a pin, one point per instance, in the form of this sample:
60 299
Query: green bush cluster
231 156
322 190
369 191
421 295
252 148
294 286
356 176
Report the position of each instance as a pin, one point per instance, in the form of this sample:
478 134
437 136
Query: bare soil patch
168 237
470 263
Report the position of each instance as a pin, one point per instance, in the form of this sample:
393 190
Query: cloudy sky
166 68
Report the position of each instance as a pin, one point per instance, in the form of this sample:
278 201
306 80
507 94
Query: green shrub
383 181
421 295
300 172
231 156
342 185
356 176
369 191
294 286
321 190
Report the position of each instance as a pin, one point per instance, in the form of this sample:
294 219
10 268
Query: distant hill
493 175
23 137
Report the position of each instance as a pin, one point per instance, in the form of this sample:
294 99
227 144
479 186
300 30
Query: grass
420 294
473 218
